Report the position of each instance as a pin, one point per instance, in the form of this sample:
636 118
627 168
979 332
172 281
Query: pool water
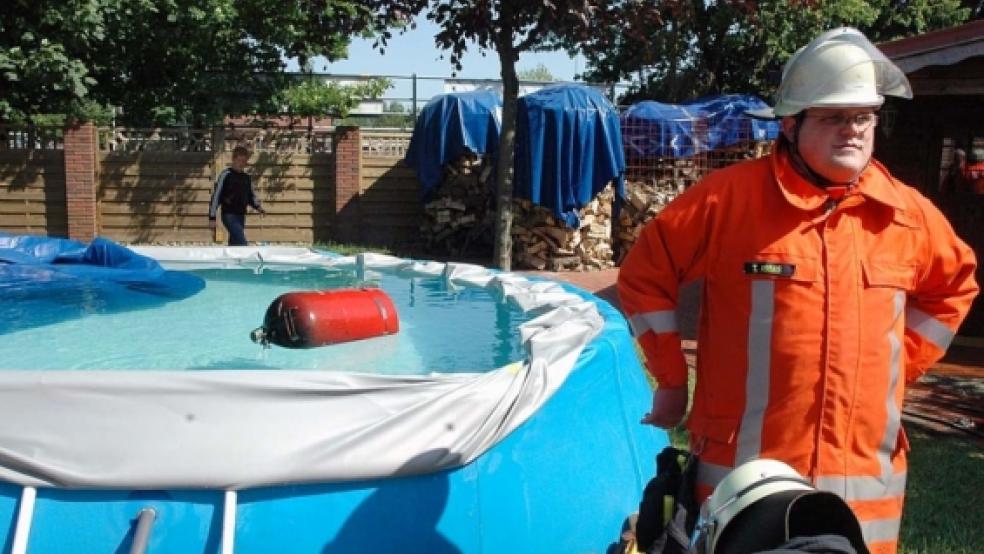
441 330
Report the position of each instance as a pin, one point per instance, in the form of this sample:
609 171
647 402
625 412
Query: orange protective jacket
814 316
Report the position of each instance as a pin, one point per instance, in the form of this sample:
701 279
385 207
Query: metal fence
223 139
675 153
31 138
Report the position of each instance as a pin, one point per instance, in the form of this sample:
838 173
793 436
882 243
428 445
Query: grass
944 511
349 249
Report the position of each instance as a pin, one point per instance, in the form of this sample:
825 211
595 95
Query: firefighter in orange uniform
828 285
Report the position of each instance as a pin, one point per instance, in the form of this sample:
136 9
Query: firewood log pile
724 157
649 189
643 200
543 242
458 220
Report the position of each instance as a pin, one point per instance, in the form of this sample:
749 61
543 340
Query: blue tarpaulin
65 278
568 148
449 126
652 128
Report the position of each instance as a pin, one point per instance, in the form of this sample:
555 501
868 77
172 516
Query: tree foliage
313 97
508 28
699 47
163 61
539 73
395 115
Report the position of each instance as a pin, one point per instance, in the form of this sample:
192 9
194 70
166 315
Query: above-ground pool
503 417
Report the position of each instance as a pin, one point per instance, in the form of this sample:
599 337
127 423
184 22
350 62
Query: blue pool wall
564 481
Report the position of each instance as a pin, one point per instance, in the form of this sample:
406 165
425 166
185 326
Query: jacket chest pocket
888 274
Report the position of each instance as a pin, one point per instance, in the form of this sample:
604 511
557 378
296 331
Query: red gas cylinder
315 318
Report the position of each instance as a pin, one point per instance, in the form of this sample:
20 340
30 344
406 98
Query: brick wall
80 181
348 181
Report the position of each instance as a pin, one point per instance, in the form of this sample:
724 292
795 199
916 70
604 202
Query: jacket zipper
829 206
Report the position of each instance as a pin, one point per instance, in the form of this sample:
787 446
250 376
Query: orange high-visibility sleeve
670 251
942 295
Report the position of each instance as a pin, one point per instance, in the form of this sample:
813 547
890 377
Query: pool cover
32 265
237 429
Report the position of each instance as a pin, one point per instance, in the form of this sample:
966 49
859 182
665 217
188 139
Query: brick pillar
80 181
347 147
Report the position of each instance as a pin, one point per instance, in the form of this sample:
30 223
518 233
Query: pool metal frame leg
229 522
141 535
25 513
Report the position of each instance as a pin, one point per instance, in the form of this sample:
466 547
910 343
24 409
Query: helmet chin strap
797 160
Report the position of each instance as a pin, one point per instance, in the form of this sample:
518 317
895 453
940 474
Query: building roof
942 47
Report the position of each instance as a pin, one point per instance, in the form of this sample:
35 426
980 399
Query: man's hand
211 224
669 407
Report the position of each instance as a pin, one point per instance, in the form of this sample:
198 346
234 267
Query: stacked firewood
724 157
543 242
643 200
458 219
682 171
649 188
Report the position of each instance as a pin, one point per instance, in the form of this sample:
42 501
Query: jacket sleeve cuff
672 372
664 358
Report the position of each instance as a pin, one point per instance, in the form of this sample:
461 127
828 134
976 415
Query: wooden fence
389 194
32 182
154 185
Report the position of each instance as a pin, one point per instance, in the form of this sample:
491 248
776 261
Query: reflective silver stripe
213 206
932 329
658 322
892 414
711 474
757 381
881 530
863 487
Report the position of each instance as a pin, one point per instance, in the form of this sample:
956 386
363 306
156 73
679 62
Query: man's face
836 143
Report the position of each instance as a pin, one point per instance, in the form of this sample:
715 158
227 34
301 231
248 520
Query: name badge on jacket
773 269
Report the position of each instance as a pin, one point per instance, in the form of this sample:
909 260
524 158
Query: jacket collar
875 183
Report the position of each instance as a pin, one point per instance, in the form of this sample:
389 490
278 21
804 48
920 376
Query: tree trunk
504 164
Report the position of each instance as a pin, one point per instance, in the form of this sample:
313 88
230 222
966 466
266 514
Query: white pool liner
246 428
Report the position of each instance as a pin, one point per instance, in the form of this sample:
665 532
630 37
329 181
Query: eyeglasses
861 121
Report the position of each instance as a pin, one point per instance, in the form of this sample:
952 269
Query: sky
414 52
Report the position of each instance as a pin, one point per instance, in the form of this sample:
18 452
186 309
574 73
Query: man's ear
789 128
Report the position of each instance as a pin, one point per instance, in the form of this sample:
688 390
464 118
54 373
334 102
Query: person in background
234 191
828 285
951 182
973 172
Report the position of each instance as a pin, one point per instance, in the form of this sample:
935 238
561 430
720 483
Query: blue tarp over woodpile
655 129
451 125
568 148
